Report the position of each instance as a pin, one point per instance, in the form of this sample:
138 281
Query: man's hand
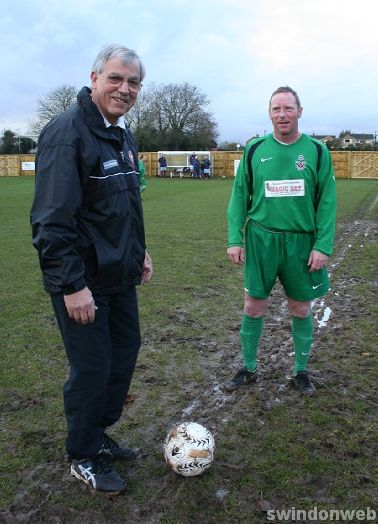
147 268
80 306
236 254
317 260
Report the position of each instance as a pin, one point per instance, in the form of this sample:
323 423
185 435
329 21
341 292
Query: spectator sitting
206 167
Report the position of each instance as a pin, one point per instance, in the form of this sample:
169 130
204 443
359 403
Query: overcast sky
235 51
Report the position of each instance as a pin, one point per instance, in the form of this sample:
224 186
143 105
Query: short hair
125 54
286 89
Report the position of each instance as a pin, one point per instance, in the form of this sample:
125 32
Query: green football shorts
271 254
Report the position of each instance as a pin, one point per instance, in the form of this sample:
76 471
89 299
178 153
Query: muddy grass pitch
274 449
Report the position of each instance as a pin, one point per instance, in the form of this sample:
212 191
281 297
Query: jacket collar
93 117
120 122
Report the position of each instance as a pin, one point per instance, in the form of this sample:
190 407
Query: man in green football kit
281 223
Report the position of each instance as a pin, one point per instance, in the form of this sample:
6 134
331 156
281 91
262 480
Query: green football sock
302 330
250 334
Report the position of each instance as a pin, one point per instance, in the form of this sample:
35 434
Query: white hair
125 54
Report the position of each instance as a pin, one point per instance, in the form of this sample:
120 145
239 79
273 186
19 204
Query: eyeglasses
116 80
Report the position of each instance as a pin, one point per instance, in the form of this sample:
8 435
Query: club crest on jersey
300 163
131 158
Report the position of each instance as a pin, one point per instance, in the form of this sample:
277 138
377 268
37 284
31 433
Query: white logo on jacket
110 163
284 188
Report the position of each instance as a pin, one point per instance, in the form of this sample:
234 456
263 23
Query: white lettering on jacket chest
110 164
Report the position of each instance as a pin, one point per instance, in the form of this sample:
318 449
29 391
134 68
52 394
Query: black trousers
102 358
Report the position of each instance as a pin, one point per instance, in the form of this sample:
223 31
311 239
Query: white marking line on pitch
372 205
326 314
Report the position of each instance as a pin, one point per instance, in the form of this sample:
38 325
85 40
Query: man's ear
300 112
94 77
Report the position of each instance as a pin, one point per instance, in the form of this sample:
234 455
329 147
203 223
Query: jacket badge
300 163
110 163
131 158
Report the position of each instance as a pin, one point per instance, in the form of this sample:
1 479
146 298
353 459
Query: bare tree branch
172 116
55 102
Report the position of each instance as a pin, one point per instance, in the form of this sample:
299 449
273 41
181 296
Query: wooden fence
347 164
364 164
16 165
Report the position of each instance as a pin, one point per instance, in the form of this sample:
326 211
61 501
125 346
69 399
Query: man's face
284 114
115 99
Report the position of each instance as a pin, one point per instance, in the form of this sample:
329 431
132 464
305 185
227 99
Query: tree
25 144
173 117
8 142
11 143
56 101
334 144
230 146
142 121
344 133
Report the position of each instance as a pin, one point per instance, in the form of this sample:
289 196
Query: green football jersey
289 192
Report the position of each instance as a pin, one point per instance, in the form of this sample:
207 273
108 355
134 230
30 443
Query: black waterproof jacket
86 217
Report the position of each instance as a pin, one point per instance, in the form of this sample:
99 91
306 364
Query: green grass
297 452
356 197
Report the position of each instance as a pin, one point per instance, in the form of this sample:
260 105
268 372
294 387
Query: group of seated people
197 168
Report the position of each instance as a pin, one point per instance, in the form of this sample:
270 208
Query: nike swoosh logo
315 287
266 159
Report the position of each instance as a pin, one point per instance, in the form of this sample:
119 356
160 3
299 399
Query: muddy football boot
303 384
242 378
98 474
111 449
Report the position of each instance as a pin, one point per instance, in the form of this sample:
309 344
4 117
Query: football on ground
189 449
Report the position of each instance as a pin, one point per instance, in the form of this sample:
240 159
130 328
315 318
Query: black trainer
242 378
98 474
303 383
111 449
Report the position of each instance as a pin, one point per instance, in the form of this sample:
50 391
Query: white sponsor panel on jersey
284 188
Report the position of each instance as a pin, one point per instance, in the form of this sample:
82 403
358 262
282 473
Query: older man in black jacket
87 224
